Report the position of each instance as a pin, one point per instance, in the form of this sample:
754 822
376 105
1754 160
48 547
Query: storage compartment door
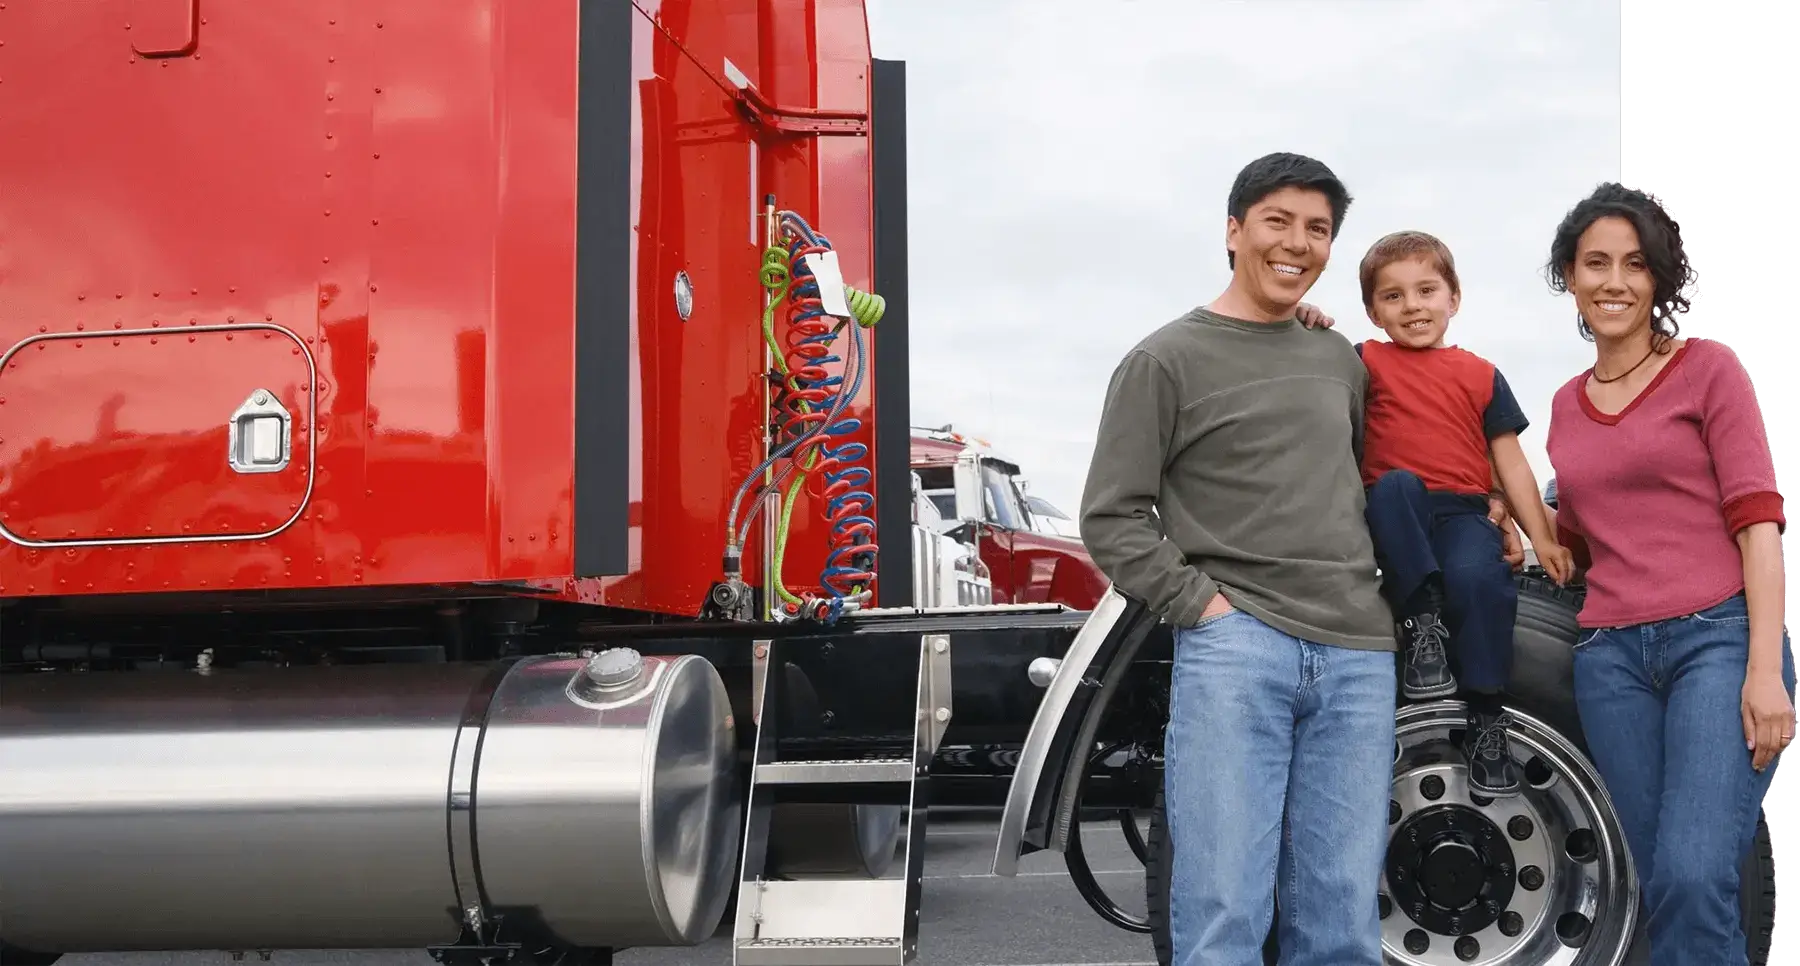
160 435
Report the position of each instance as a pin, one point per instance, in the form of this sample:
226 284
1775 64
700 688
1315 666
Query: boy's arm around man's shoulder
1118 504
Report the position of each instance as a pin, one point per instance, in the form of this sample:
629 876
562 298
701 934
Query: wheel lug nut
1432 787
1385 904
1519 828
1532 878
1511 923
1417 942
1467 948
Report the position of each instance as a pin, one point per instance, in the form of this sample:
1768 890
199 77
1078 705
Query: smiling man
1225 493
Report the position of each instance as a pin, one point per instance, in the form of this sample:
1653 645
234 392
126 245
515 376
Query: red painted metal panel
397 184
701 396
702 381
158 194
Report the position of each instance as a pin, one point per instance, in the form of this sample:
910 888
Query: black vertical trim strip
893 343
603 279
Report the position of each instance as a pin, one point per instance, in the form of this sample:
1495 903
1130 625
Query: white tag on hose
830 279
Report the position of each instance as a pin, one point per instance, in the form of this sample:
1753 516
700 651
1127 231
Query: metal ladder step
824 951
853 771
809 922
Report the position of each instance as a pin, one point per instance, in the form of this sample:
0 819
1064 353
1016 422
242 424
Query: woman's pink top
1651 500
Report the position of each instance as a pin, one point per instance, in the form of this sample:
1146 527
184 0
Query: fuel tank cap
614 667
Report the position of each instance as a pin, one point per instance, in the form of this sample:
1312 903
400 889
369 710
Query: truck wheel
1522 880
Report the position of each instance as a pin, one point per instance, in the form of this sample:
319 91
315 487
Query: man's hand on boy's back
1313 317
1512 544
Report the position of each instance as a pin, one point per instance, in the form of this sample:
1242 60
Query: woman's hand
1768 716
1313 317
1768 712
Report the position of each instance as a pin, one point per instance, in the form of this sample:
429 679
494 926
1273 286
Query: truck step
823 951
854 771
831 919
832 922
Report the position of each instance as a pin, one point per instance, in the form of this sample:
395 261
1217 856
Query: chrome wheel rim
1542 878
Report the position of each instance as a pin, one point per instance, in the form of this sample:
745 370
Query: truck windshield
1044 508
1001 499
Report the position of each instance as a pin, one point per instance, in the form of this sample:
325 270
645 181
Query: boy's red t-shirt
1433 412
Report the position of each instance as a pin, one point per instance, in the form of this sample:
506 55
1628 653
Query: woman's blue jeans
1660 705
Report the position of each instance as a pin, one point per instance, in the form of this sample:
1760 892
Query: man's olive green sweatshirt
1227 461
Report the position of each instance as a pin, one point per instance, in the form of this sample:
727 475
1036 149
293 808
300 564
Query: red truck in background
1030 549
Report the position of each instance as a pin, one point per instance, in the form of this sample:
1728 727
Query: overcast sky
1069 163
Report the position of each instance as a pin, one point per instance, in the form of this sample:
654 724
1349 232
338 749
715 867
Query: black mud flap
1040 806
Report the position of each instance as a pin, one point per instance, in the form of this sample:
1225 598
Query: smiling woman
1666 489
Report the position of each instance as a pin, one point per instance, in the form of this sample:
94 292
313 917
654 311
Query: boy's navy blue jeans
1419 533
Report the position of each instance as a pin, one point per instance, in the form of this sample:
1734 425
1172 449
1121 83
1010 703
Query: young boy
1441 428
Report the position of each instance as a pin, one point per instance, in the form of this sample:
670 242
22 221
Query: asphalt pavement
968 916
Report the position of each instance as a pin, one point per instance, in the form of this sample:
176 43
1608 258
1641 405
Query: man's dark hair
1273 172
1659 238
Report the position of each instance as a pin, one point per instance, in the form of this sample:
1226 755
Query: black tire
1544 638
1757 895
1544 635
1157 882
13 956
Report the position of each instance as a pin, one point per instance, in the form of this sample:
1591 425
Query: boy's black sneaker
1492 771
1425 671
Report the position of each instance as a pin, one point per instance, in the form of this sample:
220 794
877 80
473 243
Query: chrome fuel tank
308 807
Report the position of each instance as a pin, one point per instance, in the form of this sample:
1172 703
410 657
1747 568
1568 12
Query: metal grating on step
834 942
859 771
822 951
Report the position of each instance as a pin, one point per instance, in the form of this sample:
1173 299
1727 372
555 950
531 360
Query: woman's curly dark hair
1659 236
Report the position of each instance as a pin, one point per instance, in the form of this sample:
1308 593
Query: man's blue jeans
1264 727
1660 706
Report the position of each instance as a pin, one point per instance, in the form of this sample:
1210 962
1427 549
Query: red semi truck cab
1032 556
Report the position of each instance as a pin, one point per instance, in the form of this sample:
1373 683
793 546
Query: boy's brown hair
1402 245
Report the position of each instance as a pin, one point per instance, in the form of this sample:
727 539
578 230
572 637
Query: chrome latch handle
260 435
